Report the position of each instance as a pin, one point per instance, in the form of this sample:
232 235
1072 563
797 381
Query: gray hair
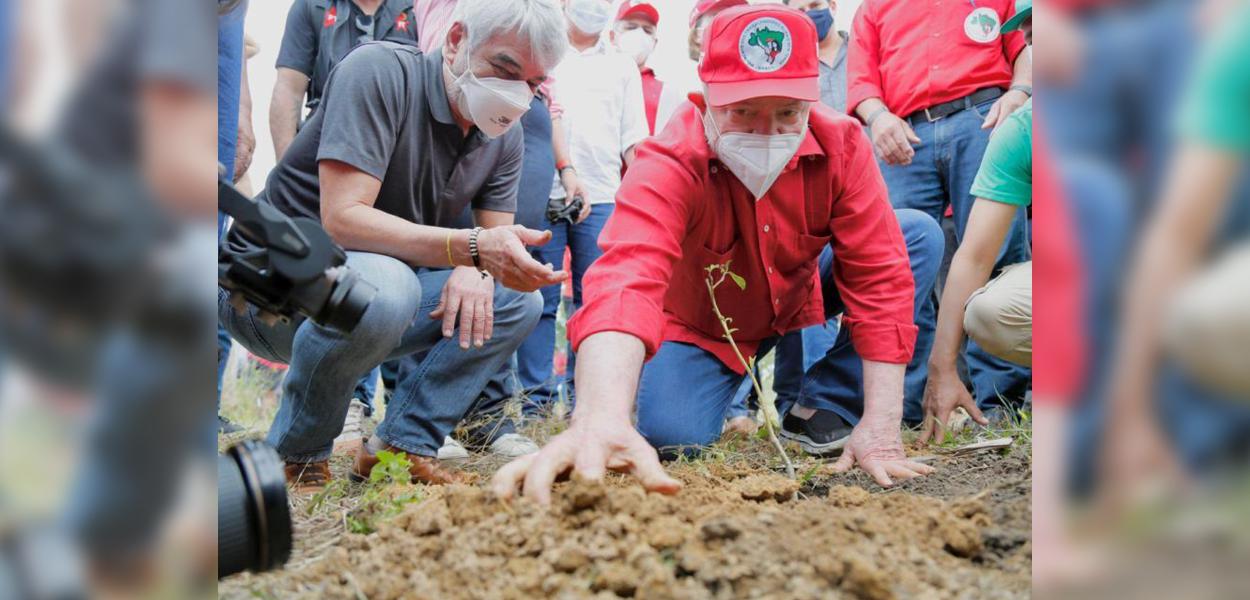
540 22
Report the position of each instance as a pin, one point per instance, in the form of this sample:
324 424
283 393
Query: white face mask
589 16
493 104
636 43
757 160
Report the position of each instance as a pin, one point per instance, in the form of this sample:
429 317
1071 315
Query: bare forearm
968 273
559 143
367 229
1023 72
608 366
284 113
883 391
493 218
1194 196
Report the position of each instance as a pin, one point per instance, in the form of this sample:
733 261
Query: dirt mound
754 536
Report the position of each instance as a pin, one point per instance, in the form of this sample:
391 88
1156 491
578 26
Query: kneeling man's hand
877 447
587 449
471 297
504 256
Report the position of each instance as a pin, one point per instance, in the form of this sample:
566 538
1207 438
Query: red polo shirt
915 54
679 210
651 90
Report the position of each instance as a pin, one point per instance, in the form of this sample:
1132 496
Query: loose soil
737 530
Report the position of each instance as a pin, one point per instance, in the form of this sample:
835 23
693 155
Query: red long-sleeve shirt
679 210
915 54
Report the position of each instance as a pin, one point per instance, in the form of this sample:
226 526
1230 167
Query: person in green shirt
1175 306
997 314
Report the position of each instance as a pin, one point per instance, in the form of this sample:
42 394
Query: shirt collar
436 88
808 147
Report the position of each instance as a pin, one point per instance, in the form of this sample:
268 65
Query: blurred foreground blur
107 262
1142 485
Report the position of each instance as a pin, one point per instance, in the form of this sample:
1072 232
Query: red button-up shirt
914 54
679 210
652 88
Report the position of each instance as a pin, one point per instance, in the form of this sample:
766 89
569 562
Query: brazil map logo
765 45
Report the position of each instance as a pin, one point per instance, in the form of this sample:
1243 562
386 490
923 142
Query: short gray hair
541 22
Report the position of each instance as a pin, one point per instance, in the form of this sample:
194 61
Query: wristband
1027 89
874 116
450 261
477 259
562 165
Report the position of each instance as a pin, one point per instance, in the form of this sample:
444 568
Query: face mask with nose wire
494 105
755 159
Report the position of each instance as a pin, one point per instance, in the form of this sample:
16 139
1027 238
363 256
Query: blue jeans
325 365
534 368
796 353
941 174
686 391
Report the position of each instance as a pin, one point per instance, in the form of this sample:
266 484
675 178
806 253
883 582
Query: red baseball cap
703 6
761 50
638 8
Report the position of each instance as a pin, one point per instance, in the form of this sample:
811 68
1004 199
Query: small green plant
389 490
715 276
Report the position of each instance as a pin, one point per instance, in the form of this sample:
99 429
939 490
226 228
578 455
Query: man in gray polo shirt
401 144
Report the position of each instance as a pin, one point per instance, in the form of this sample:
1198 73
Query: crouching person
403 143
756 174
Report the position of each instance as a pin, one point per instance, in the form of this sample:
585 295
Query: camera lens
349 298
253 521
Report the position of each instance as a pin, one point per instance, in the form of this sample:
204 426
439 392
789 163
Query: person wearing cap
402 143
931 81
601 91
319 33
758 175
633 33
997 314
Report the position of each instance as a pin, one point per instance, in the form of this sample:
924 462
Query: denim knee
921 232
393 308
521 310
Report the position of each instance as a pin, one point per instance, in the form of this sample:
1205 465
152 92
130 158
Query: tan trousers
1207 328
999 316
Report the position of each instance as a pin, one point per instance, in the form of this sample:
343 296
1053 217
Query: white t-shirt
603 116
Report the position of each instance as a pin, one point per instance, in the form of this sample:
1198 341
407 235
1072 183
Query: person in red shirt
634 34
931 80
757 174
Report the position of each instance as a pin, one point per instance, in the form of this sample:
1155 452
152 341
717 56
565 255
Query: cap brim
799 88
1017 20
645 11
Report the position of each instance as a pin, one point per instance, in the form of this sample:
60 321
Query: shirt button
776 300
714 169
765 229
770 270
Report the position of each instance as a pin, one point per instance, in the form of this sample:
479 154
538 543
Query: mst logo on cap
765 45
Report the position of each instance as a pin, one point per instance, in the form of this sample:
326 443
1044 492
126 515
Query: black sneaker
823 433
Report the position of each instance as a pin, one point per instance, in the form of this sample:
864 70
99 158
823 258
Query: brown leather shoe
307 478
424 469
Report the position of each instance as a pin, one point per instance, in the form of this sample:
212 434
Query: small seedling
715 276
389 490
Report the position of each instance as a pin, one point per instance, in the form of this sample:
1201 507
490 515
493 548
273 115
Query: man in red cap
931 80
633 33
757 174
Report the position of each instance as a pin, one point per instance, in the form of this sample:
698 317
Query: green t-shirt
1006 173
1216 108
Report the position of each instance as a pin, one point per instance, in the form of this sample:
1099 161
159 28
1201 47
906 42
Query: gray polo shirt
385 112
833 78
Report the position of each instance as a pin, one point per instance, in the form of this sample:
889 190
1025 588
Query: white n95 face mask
589 16
756 160
637 44
493 104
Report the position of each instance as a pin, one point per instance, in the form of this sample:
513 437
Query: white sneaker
513 445
452 450
353 427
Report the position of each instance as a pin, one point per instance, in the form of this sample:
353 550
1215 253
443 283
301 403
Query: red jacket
679 210
915 54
